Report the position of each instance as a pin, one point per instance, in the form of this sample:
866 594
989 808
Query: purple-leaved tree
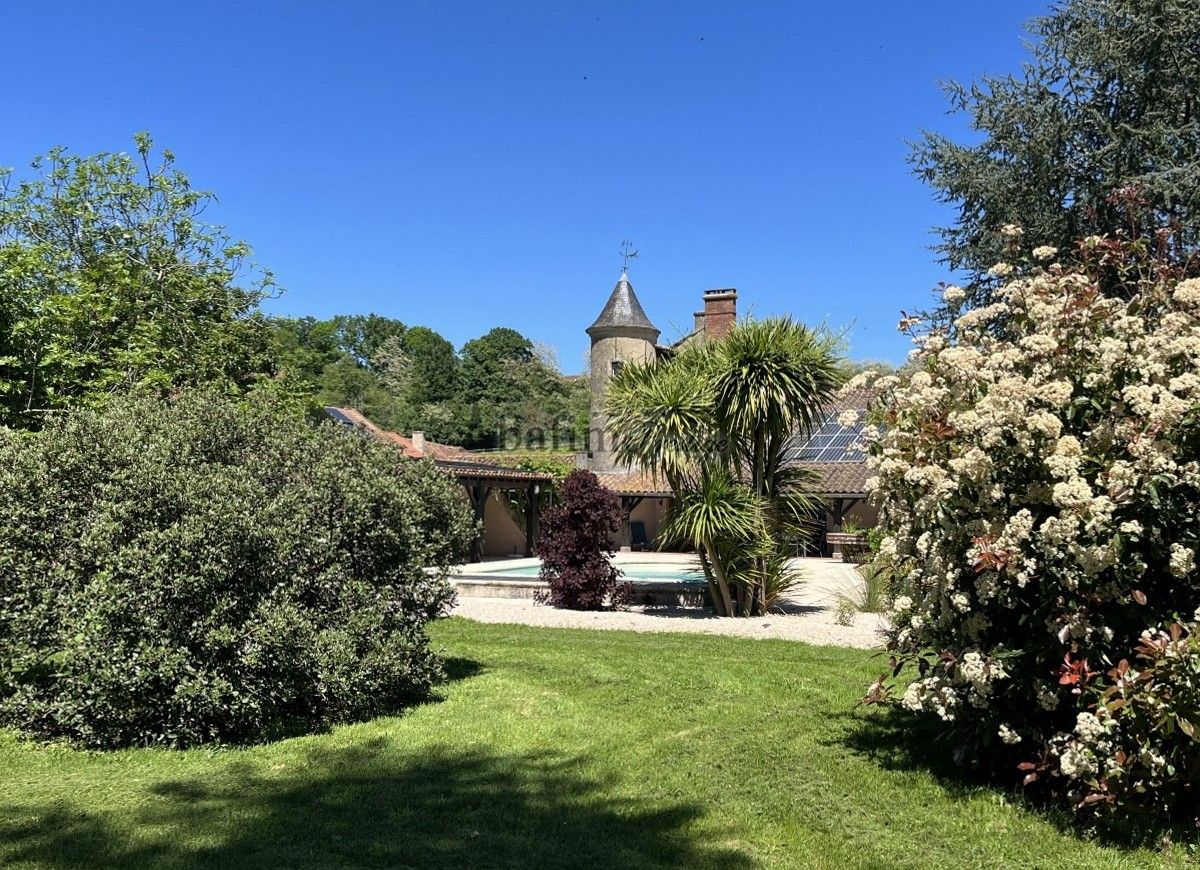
577 545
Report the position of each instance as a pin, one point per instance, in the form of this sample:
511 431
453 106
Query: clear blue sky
470 165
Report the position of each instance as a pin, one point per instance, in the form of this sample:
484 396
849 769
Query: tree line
112 282
500 388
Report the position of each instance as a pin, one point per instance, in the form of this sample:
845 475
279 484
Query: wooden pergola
481 480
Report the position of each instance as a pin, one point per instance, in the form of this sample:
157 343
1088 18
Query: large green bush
206 570
1039 478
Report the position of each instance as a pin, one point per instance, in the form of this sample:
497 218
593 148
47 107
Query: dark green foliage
1100 134
576 545
500 391
519 397
304 346
205 571
434 367
362 336
110 281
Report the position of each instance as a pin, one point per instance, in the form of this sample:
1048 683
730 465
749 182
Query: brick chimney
720 312
698 324
418 442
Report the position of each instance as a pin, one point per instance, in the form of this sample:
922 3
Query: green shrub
1039 481
202 571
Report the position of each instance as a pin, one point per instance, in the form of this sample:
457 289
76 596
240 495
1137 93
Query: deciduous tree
110 280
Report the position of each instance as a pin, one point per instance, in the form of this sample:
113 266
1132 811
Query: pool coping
493 584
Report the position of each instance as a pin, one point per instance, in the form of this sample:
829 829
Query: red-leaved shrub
576 546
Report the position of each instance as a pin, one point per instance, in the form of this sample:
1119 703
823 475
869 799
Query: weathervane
628 252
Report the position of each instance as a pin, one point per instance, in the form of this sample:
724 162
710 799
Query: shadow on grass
458 668
455 668
370 806
896 740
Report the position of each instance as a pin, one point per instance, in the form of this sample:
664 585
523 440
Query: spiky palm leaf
780 576
776 377
718 509
661 418
796 501
715 422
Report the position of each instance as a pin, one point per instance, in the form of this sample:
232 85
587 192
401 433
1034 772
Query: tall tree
434 366
714 422
1099 134
484 359
110 281
361 336
514 387
304 346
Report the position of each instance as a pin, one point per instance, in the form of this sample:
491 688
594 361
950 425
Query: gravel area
809 615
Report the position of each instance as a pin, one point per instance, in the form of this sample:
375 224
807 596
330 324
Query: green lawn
553 748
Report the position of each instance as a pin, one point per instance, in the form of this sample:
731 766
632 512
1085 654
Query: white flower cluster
1188 292
1183 560
1019 480
1077 762
1089 749
972 680
933 694
1008 735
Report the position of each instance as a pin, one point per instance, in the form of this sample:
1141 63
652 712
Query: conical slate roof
623 311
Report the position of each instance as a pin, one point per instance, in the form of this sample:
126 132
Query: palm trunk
722 582
712 583
745 595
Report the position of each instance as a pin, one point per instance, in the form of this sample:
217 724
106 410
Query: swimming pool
679 573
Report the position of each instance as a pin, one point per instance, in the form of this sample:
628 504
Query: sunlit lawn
553 748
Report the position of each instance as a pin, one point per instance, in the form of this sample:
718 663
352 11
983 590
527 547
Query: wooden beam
531 520
479 496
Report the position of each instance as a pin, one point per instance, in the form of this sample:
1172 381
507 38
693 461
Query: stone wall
606 351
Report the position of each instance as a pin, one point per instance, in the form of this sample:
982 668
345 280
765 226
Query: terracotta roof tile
633 483
840 478
458 460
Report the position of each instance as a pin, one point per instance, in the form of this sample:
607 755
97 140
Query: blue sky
470 165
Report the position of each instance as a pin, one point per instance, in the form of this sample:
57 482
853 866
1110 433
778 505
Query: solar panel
831 442
339 417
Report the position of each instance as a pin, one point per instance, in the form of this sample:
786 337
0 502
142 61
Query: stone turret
621 334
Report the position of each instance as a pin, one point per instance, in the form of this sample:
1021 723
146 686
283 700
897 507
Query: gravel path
809 616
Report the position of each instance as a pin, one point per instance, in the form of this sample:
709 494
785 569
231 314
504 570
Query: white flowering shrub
1036 469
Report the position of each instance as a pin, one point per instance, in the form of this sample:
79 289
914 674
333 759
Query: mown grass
555 748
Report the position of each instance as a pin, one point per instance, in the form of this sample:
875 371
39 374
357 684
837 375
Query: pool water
629 571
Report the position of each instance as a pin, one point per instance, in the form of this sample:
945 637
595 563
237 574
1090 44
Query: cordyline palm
715 422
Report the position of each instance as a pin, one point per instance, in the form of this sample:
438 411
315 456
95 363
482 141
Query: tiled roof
852 400
843 478
457 460
840 478
633 483
433 450
498 472
834 479
624 311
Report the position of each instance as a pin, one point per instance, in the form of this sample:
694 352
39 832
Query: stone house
623 334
